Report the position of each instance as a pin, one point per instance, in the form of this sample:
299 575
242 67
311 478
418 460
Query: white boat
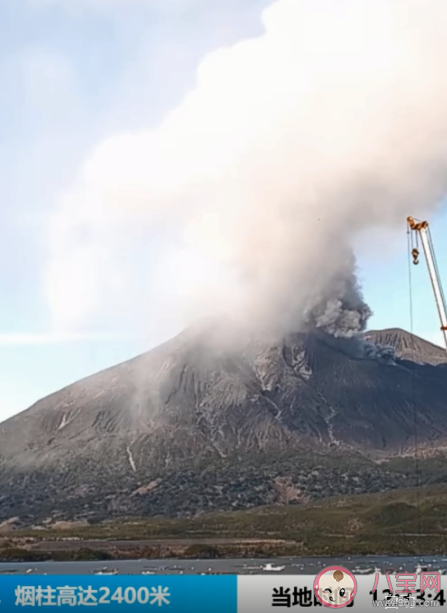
276 569
363 571
106 571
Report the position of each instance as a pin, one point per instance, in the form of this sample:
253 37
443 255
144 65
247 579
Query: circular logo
335 587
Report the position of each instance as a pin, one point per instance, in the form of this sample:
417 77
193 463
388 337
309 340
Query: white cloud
331 123
11 338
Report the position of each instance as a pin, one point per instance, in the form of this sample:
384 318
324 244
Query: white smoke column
291 144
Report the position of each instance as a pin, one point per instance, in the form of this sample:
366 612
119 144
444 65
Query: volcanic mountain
407 346
197 423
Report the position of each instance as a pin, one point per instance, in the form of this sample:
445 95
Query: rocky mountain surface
197 424
408 346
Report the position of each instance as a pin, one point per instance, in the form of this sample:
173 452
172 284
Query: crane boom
422 230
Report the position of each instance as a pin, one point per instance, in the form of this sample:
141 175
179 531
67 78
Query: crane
421 230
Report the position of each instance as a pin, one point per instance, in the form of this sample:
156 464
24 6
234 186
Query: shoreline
198 549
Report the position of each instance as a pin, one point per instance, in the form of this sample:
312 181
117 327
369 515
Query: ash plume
379 352
341 310
255 188
339 318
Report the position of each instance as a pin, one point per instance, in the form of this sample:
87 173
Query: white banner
264 594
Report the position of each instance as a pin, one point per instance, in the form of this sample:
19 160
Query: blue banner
216 594
120 593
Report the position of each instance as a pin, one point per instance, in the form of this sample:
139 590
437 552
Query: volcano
196 424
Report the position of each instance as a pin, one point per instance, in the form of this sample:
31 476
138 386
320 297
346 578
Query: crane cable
413 377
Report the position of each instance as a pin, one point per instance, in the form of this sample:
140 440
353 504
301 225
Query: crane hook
415 254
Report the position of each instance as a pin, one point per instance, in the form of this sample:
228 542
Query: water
255 566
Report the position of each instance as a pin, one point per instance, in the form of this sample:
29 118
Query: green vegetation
209 485
20 554
430 470
407 521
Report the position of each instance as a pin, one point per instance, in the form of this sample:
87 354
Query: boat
106 571
270 567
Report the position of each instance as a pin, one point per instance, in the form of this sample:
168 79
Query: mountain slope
118 434
408 346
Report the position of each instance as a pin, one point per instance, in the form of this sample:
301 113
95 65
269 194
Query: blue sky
71 74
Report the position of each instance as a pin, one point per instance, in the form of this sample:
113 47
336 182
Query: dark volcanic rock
140 437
